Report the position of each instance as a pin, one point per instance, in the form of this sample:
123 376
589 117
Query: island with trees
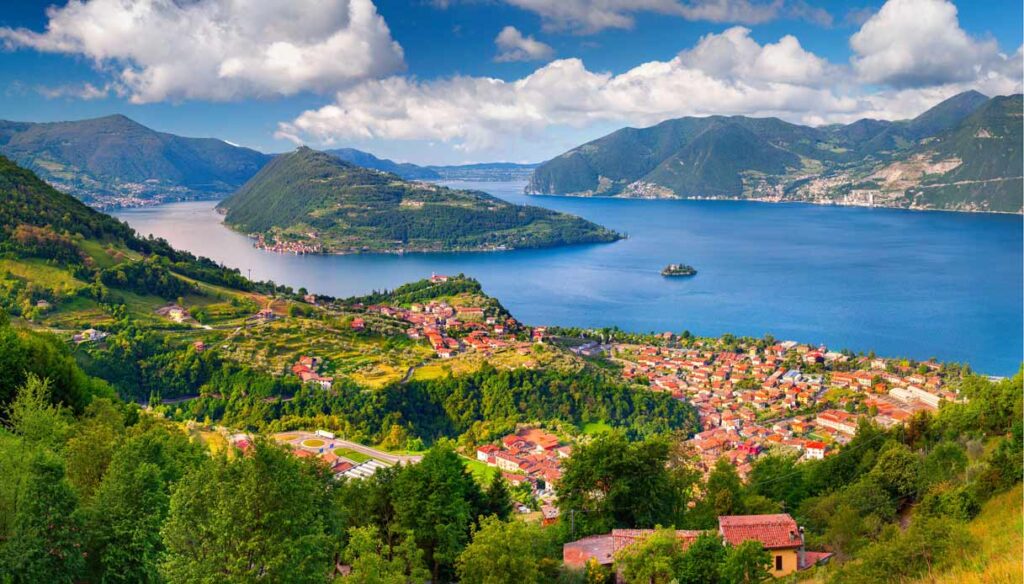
678 270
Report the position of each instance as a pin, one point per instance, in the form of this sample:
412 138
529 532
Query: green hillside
868 162
106 160
318 200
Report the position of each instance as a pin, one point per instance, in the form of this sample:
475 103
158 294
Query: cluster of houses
778 533
307 369
437 321
295 247
755 399
530 456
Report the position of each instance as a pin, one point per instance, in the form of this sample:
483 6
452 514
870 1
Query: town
759 398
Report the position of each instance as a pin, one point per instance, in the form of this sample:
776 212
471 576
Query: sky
455 81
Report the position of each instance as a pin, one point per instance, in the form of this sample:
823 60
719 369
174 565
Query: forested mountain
962 154
486 171
482 171
113 160
405 170
315 200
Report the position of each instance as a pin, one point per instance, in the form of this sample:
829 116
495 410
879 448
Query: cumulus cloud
735 56
919 43
220 49
729 73
513 46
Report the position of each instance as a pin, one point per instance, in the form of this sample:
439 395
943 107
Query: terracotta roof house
778 533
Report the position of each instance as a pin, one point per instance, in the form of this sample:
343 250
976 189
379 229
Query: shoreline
772 202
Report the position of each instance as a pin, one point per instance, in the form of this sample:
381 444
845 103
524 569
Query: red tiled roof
774 531
625 537
599 547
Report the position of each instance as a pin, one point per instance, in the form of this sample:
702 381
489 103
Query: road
378 454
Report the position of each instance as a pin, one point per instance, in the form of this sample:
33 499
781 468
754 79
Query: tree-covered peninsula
310 201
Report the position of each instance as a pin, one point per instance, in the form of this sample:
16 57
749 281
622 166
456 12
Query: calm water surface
901 283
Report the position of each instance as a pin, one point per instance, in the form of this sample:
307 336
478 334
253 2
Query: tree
723 495
746 563
504 553
897 470
657 559
437 500
267 516
91 447
124 522
45 545
373 563
34 417
702 560
498 500
778 478
613 482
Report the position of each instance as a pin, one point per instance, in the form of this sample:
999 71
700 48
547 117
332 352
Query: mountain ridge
769 159
114 160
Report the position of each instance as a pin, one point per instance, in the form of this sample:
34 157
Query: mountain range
963 154
310 201
113 160
480 172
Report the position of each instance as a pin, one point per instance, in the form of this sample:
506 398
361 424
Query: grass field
58 281
313 443
593 428
357 457
481 472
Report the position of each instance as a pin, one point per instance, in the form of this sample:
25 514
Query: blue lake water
901 283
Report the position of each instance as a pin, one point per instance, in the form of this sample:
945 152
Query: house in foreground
778 533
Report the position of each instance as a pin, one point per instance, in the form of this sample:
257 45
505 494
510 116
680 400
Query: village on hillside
784 396
752 397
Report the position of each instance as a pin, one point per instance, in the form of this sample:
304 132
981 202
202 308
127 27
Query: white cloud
513 46
220 49
919 43
725 74
734 55
591 16
728 73
84 91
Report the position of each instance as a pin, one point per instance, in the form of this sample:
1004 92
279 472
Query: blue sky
448 81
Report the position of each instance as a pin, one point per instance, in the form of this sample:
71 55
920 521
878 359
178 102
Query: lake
901 283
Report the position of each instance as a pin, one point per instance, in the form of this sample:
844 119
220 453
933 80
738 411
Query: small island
673 270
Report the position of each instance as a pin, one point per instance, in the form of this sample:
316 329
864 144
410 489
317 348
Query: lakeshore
923 285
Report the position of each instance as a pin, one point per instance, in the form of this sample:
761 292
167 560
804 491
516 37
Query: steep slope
114 160
976 165
714 162
946 115
405 170
769 159
312 201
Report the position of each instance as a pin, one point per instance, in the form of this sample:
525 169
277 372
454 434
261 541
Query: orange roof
773 531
